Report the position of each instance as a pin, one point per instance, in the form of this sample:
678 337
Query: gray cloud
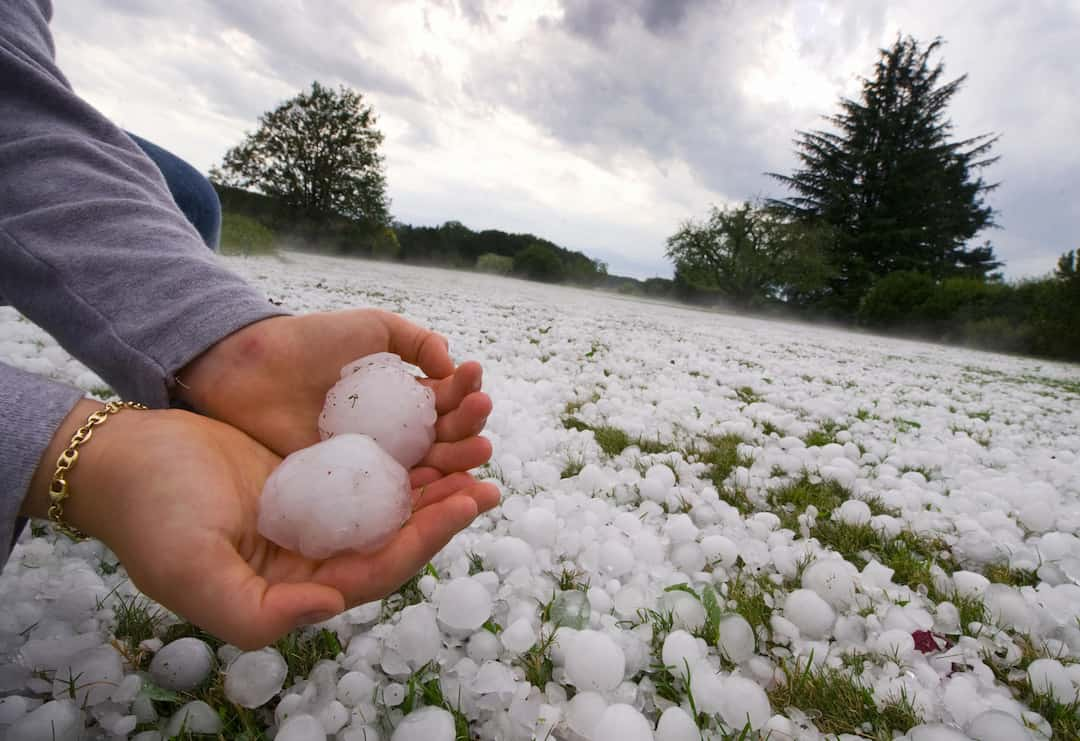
658 82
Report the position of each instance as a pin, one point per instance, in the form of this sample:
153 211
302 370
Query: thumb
240 607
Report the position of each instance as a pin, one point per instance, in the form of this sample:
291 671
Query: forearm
92 246
33 409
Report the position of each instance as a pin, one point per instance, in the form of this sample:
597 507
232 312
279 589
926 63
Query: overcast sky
598 124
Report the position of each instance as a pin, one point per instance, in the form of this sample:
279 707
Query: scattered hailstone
254 677
812 615
744 702
95 674
59 720
997 725
195 718
463 604
677 725
737 641
379 397
425 724
181 665
571 609
344 494
622 722
595 662
302 727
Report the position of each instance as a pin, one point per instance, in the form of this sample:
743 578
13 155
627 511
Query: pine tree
898 193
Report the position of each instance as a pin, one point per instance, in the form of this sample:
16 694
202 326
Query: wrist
234 355
91 501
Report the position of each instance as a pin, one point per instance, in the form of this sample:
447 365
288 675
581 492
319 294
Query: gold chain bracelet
58 489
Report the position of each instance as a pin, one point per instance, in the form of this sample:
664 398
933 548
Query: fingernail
312 618
476 385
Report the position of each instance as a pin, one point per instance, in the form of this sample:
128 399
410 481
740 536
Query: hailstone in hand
378 396
343 494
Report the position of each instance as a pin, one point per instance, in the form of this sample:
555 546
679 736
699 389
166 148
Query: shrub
895 298
489 262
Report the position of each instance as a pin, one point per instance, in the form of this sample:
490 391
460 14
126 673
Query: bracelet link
59 491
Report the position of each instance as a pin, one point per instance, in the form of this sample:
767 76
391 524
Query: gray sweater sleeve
34 407
92 249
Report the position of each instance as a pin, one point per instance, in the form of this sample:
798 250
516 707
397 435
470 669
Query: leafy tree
538 262
317 152
748 255
899 192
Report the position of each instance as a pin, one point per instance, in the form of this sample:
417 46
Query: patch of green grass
906 425
1000 573
537 663
423 689
864 415
303 649
723 458
746 395
791 500
613 440
972 609
242 235
822 436
838 702
137 619
768 428
570 578
1064 718
927 473
102 392
908 555
573 465
751 595
476 563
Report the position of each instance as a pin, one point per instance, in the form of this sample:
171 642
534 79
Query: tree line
879 227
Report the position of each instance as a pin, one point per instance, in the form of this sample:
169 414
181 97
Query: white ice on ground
59 720
195 717
594 661
974 451
416 637
463 604
92 675
623 722
737 640
253 677
425 724
182 664
676 725
301 728
344 494
744 702
378 396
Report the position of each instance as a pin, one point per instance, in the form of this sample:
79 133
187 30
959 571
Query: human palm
270 380
188 537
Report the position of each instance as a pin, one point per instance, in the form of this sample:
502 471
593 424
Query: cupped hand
175 496
270 378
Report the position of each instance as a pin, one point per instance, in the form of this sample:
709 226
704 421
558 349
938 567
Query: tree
317 152
898 191
538 262
749 255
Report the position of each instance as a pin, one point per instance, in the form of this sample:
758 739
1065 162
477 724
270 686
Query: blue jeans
193 193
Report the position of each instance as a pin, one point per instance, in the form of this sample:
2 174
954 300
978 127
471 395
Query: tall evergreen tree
899 193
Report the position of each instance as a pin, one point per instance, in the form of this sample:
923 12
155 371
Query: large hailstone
343 494
377 396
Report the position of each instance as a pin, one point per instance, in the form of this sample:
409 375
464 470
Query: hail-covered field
712 527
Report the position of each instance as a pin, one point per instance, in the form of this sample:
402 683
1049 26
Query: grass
1000 573
424 690
573 465
751 596
613 440
822 436
908 555
537 663
242 235
722 458
137 619
837 702
747 396
791 500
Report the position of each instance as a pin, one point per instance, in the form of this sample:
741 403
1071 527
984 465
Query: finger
419 346
365 578
449 392
441 489
458 456
423 475
231 601
465 421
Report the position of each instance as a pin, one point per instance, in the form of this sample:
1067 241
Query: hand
175 496
270 378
